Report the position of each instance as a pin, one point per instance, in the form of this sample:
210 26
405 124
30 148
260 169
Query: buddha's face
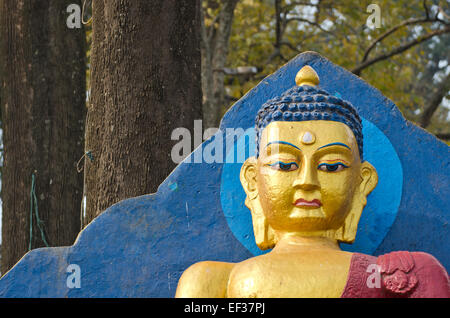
308 175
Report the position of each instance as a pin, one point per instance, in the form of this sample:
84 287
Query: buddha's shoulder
256 264
206 279
249 276
416 274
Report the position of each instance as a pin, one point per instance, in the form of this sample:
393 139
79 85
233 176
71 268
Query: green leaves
338 30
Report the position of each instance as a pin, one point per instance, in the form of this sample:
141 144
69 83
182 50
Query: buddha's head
308 176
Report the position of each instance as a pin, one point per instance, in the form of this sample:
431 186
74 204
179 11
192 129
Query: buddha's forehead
305 134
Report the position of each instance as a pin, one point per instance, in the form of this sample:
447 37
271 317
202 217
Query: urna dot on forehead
305 102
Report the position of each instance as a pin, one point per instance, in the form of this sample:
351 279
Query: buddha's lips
302 202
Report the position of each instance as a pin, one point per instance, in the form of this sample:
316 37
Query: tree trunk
145 83
42 65
215 43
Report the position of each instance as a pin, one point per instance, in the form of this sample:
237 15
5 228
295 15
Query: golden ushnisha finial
307 76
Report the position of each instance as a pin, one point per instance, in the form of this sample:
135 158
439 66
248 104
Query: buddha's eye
332 167
290 166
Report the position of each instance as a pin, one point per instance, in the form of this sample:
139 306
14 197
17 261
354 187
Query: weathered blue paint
140 246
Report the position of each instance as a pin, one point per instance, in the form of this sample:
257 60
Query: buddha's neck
302 241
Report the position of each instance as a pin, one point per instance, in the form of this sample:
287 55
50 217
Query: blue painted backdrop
140 246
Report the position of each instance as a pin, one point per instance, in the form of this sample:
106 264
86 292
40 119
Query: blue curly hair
304 103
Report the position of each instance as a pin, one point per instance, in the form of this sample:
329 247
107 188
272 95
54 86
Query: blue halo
376 219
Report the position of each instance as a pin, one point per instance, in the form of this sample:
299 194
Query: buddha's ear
368 180
248 178
264 235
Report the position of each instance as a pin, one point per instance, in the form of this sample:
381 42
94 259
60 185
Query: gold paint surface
304 199
307 76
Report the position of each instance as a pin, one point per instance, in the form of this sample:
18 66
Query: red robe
399 275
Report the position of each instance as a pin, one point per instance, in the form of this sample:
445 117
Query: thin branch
435 101
289 6
425 7
443 13
204 34
212 28
289 45
281 24
299 19
276 53
277 24
317 13
357 70
278 33
426 19
390 31
443 136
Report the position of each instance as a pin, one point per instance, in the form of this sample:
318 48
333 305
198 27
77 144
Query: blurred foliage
338 31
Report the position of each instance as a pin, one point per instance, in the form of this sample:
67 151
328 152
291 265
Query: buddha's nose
307 178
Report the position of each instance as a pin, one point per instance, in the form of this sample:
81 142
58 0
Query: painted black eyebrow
335 144
283 143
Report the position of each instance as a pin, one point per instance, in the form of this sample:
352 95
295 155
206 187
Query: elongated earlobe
264 235
369 180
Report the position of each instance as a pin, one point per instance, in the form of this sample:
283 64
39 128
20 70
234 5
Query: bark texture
42 65
145 82
215 45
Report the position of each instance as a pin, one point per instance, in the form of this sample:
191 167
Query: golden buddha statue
306 189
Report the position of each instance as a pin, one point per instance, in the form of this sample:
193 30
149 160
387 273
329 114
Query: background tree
145 82
217 20
42 72
407 58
